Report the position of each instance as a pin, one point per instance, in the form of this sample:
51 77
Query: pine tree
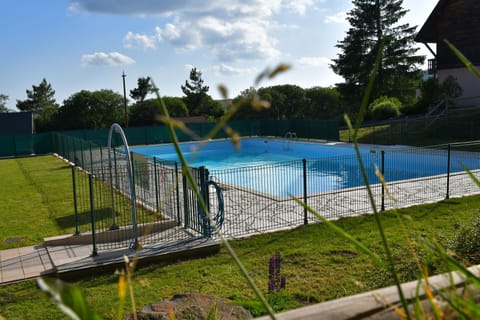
195 92
144 87
372 21
40 98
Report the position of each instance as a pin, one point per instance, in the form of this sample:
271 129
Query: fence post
204 191
305 211
75 206
177 188
113 226
156 184
83 156
383 175
101 162
72 155
448 171
91 156
134 199
92 214
185 201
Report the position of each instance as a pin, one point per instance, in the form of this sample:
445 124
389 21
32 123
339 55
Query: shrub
432 92
466 242
384 108
450 88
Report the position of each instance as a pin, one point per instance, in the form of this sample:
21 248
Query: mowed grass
35 193
318 265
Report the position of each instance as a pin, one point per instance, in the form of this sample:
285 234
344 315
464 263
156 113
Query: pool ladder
288 136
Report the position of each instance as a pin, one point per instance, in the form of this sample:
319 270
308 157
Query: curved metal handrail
118 129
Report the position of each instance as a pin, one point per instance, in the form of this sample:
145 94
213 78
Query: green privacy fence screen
43 143
26 144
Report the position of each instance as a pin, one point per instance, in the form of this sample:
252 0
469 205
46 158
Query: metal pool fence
166 209
43 143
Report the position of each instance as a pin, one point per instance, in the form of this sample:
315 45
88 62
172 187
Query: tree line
374 29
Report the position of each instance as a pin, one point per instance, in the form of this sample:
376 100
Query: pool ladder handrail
288 136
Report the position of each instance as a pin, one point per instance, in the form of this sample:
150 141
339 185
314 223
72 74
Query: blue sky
87 44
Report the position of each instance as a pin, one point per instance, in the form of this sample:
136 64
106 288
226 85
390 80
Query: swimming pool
282 168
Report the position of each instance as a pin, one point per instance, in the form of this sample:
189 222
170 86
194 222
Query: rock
192 306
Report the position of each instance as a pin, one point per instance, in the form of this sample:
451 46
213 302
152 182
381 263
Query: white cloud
227 70
300 6
106 59
144 41
242 39
339 17
314 61
232 30
184 36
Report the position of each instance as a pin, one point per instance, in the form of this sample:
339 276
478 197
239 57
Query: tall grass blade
69 299
463 59
363 110
470 174
186 171
457 303
455 264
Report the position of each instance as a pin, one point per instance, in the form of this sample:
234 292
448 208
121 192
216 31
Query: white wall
469 83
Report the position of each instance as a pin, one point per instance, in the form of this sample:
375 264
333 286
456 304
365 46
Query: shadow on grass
65 167
103 215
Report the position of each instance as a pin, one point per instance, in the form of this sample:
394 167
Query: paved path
24 263
35 261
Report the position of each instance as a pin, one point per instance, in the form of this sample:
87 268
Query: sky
87 44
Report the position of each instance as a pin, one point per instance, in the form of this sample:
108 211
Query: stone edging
376 304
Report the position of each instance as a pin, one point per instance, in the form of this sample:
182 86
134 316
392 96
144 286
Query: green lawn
36 193
318 264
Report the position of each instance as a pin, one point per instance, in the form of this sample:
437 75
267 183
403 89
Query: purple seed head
271 269
271 286
283 282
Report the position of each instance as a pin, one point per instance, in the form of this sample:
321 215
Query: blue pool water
275 166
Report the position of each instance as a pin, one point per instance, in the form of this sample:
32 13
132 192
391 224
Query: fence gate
193 216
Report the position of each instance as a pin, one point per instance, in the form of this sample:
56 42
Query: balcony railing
432 66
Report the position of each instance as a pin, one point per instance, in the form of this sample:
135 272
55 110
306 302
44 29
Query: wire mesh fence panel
337 187
103 201
82 200
157 200
259 198
418 175
254 198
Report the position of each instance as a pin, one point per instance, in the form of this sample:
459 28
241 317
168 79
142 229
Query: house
458 21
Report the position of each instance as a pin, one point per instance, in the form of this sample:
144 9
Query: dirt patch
343 253
192 306
14 240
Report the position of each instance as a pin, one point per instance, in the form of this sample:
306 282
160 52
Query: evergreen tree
195 92
40 98
144 87
372 21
